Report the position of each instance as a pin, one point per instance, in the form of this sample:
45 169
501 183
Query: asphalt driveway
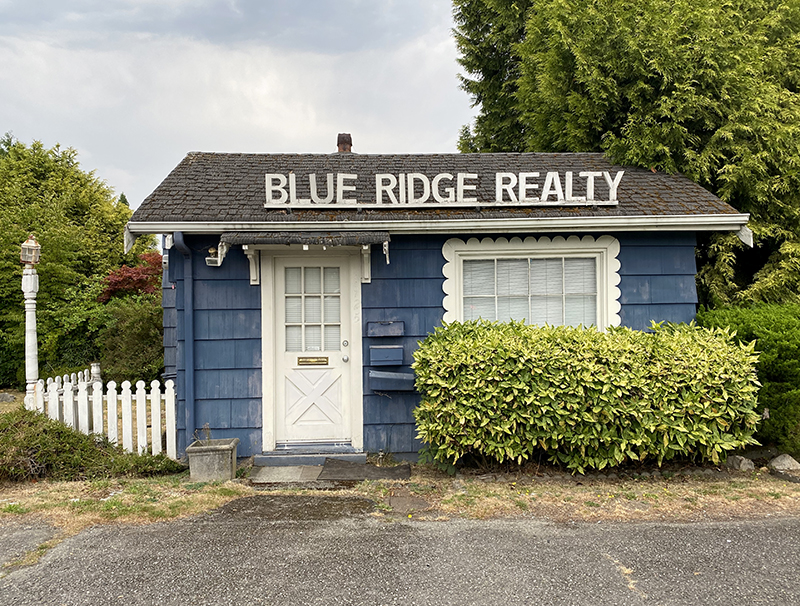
292 550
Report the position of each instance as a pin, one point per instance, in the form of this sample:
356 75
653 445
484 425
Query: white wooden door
312 345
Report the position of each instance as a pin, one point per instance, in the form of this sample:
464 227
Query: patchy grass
73 506
77 505
674 499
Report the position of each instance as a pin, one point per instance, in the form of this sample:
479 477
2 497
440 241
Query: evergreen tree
486 33
701 87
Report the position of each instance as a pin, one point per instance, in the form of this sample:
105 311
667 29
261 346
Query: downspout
188 332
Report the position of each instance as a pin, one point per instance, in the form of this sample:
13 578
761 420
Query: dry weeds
578 499
73 506
428 495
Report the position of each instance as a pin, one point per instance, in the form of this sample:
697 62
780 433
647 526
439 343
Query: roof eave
716 222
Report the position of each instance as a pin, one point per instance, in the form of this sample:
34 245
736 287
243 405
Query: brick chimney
344 143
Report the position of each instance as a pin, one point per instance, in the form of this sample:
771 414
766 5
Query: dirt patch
13 400
297 507
402 501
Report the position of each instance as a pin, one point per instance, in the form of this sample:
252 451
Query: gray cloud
133 86
323 26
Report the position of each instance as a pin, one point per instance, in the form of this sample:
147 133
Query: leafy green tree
486 33
701 87
129 325
79 225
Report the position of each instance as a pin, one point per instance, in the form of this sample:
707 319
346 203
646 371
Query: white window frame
604 249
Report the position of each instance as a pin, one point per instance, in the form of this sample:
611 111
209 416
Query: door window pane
313 338
333 337
294 310
312 320
313 280
313 310
294 338
293 280
332 309
332 281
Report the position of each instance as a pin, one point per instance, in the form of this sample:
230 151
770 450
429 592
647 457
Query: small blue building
298 286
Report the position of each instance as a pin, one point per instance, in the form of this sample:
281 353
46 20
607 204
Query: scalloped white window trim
604 248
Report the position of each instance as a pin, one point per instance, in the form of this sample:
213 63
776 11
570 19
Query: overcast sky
134 85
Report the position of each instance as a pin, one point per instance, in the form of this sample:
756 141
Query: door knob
345 358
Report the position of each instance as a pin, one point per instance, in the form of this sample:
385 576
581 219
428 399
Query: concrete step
291 458
288 474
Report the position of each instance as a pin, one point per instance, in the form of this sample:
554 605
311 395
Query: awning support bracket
254 257
366 264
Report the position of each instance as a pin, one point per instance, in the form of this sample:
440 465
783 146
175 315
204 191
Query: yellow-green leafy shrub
589 399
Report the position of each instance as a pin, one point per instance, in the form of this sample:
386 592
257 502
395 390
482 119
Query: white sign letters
419 190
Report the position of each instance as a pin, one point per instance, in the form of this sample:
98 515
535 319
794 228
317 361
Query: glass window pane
580 309
293 286
294 310
294 338
313 338
332 309
579 276
545 276
512 277
546 310
313 280
479 307
313 310
512 308
478 278
332 282
332 337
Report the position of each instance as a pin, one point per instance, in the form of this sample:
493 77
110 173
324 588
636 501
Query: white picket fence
83 405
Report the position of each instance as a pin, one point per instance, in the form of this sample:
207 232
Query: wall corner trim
188 333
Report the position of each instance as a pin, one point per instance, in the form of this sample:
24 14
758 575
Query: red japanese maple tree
142 278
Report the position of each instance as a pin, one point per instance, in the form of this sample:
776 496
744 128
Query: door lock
345 343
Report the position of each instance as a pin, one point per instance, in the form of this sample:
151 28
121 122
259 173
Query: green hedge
776 332
589 399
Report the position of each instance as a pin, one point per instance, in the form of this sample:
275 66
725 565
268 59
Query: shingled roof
228 191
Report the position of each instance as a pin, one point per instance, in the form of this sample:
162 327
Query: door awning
324 238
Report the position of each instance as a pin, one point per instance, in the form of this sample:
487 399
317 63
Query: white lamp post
29 257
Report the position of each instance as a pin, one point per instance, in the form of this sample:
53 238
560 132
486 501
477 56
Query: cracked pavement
271 549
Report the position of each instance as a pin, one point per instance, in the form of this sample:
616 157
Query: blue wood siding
227 346
409 290
657 278
656 283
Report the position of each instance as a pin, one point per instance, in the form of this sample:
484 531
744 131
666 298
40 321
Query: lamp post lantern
29 257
